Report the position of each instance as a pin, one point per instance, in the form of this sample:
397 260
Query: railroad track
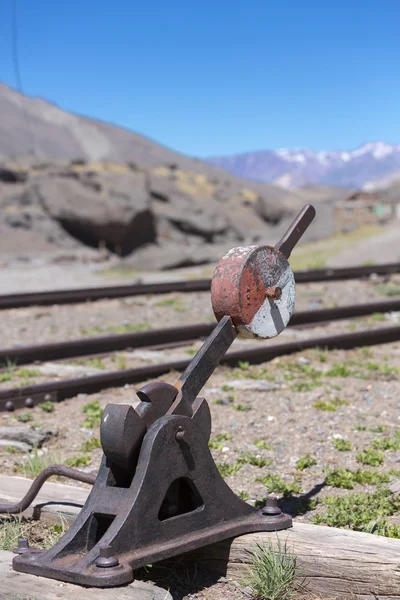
29 396
173 335
198 285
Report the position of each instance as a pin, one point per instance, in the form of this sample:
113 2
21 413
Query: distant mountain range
374 164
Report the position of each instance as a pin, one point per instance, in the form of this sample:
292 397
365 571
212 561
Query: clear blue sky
216 77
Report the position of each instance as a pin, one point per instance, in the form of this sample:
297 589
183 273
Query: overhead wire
18 77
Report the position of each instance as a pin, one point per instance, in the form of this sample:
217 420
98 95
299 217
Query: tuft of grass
362 512
175 303
11 450
243 495
272 572
377 429
124 328
39 534
78 461
370 457
24 417
120 362
382 369
386 443
227 388
241 407
263 445
228 469
388 289
35 463
47 406
330 405
339 370
305 462
378 317
91 444
347 479
342 445
247 458
360 428
95 363
215 443
275 483
93 412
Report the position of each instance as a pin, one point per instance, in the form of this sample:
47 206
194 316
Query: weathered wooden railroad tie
158 492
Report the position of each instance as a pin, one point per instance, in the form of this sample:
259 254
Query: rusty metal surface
255 285
241 288
296 230
60 471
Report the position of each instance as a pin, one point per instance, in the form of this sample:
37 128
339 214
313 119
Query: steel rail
172 335
11 399
200 285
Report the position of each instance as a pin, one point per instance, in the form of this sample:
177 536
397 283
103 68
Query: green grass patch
370 457
361 512
272 572
78 461
263 445
386 443
93 413
241 407
247 458
228 469
24 417
91 444
47 406
347 479
388 289
305 462
330 405
35 462
275 483
342 445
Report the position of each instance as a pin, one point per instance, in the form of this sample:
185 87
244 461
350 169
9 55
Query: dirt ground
309 427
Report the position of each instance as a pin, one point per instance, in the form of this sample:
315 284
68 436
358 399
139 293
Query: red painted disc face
255 287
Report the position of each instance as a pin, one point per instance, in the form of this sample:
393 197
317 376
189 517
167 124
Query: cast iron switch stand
158 492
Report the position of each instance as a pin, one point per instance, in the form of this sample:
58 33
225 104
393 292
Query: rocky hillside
152 218
70 185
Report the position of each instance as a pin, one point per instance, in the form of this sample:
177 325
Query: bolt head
271 507
182 435
29 403
23 546
107 558
9 405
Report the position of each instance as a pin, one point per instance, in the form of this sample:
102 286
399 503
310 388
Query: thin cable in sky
17 73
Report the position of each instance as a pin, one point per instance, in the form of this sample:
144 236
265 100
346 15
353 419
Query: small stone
337 436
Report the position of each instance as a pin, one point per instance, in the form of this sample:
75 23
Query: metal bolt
271 507
9 405
47 398
29 403
274 293
23 546
182 435
107 558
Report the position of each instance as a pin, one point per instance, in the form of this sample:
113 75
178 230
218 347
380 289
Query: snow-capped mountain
298 167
